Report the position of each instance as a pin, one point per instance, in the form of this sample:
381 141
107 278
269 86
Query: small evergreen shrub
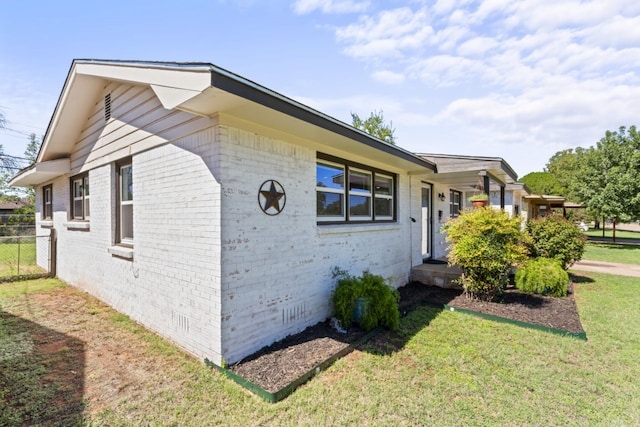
485 243
543 276
553 236
382 308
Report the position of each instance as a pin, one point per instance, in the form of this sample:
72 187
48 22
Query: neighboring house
10 209
213 210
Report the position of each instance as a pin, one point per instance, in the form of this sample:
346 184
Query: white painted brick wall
172 285
276 270
211 271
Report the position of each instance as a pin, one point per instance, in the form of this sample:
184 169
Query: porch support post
486 185
502 197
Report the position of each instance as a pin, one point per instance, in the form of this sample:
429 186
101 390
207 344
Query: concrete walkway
630 270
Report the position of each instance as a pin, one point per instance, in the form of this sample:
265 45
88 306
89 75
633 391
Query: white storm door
426 222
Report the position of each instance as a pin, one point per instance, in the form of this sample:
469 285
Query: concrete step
437 275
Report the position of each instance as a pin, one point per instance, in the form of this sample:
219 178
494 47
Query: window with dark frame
124 209
455 198
47 202
80 197
350 192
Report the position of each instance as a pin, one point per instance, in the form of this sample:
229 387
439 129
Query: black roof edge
237 85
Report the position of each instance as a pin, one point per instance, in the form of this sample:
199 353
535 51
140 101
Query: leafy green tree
565 166
543 183
375 126
608 177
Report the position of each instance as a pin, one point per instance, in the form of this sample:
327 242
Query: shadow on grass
577 278
419 305
41 374
388 342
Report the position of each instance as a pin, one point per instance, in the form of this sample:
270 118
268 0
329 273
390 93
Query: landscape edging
292 386
578 335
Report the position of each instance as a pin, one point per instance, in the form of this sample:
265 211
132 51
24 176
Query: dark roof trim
247 89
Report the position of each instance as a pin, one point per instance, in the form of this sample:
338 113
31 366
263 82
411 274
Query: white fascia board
41 172
172 85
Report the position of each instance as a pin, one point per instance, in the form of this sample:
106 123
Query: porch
436 274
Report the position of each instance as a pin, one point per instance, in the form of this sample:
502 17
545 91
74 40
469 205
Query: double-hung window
47 202
124 210
350 192
80 197
455 205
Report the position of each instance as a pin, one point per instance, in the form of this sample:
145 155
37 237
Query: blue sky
518 79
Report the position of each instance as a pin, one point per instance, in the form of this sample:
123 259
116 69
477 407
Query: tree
608 177
8 164
543 183
375 126
33 148
564 166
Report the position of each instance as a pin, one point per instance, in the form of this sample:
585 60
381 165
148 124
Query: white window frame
346 192
122 205
388 197
47 202
342 192
81 183
453 204
361 193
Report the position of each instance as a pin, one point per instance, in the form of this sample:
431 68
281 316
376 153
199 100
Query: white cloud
477 46
302 7
388 77
550 74
445 70
386 35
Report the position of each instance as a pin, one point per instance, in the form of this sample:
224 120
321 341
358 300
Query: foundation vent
180 321
291 314
107 107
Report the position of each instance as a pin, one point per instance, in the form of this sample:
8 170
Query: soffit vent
107 107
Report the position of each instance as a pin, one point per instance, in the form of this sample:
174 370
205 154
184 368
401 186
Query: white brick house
157 179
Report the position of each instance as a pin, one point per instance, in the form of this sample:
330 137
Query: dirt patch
276 366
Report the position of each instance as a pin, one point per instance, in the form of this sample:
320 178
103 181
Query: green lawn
450 369
18 258
608 233
608 252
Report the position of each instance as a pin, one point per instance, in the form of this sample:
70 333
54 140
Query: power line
20 132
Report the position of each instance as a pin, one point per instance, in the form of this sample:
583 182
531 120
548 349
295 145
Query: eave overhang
205 89
39 173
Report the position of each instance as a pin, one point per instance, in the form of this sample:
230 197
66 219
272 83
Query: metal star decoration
272 197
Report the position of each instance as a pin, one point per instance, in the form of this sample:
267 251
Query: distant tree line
605 177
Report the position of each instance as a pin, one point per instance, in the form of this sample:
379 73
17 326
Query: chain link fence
24 255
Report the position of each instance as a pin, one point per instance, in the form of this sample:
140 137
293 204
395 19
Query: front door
426 221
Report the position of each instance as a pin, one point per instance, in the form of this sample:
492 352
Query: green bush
544 276
553 236
382 307
485 243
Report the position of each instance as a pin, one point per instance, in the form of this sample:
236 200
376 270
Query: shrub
382 307
544 276
485 243
553 236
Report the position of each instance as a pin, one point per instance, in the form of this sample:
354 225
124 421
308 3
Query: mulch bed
276 366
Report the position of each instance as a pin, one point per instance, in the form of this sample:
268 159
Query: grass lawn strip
447 369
